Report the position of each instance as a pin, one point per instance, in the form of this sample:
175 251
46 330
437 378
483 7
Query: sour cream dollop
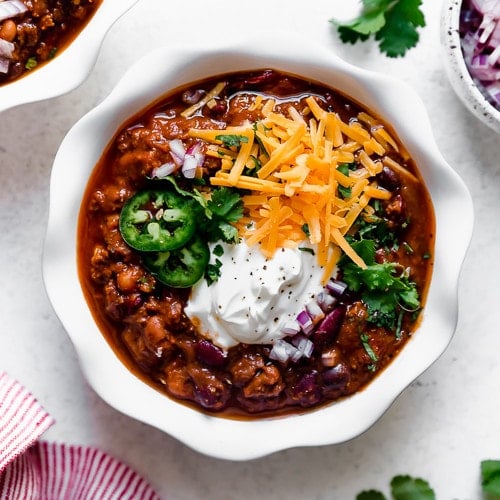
255 297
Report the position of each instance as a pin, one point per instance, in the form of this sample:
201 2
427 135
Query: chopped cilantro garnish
31 63
53 52
218 250
307 250
231 140
393 23
372 227
407 248
345 192
212 272
223 208
384 291
365 341
305 230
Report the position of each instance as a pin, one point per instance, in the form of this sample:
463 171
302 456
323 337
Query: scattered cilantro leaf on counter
402 488
393 23
490 476
370 495
409 488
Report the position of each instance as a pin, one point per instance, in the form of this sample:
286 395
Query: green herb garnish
365 341
393 23
383 289
31 63
490 476
231 140
402 488
212 272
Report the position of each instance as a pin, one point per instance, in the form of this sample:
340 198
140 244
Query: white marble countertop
440 428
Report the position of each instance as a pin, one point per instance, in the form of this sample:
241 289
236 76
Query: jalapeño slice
179 268
157 221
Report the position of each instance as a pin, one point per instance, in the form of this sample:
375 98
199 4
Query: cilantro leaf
348 35
394 24
400 30
382 289
370 495
409 488
212 272
371 19
231 140
490 476
224 207
226 204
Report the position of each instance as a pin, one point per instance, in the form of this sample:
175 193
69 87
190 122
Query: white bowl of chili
39 62
249 435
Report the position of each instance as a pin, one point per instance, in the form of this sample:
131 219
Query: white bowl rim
71 67
458 73
247 439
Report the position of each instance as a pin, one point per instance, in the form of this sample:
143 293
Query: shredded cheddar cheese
316 175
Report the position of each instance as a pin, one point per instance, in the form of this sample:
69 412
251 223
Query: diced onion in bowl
11 8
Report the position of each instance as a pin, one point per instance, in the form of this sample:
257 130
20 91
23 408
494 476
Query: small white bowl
71 67
457 71
144 83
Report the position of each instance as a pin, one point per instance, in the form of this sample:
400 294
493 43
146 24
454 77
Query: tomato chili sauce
338 341
33 32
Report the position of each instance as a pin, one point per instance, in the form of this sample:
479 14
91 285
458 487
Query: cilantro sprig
403 487
386 291
220 210
490 477
393 23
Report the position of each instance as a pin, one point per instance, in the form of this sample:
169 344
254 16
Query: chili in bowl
257 246
48 47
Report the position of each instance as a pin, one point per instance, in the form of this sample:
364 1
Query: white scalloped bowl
144 83
71 67
456 69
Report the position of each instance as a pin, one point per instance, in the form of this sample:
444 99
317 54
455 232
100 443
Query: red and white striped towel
47 471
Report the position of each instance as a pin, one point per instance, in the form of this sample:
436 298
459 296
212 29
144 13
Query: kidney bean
210 354
389 179
337 377
306 391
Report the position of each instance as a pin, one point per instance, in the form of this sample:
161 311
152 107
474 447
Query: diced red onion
164 170
4 65
177 150
305 322
11 8
190 166
494 57
481 68
491 7
304 345
336 287
291 327
283 351
329 358
6 48
480 41
494 91
326 301
315 312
